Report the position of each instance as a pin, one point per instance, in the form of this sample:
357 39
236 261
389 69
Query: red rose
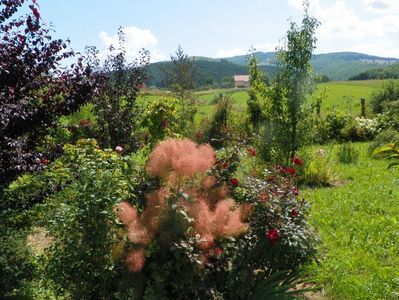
297 161
234 181
290 170
294 213
273 235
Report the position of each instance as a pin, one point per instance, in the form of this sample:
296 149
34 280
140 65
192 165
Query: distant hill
210 72
390 72
337 66
218 72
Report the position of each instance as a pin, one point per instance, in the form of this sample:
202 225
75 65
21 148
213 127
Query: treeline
213 74
391 72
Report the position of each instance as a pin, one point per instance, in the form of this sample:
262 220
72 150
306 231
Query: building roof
241 77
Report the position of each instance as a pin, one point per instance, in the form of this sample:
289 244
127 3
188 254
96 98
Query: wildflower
273 235
295 191
234 181
251 151
297 161
321 153
118 149
225 165
294 213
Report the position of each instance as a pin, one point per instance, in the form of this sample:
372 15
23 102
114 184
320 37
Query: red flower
297 161
234 181
290 170
251 151
217 251
295 191
294 213
273 235
44 161
225 165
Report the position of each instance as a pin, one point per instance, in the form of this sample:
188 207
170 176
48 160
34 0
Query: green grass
345 95
358 223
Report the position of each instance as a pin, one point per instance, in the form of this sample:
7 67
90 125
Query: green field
340 95
358 223
345 95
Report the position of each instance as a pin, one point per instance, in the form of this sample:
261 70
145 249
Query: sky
222 28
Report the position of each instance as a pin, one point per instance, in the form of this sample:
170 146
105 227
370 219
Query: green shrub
389 92
385 137
17 263
335 122
84 224
347 154
161 119
316 170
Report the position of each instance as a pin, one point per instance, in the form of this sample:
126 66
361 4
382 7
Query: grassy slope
345 95
358 223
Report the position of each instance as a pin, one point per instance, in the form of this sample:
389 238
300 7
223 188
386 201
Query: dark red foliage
34 89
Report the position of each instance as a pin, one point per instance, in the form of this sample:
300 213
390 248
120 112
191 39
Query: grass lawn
358 223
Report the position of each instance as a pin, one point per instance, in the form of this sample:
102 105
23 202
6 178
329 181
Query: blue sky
219 28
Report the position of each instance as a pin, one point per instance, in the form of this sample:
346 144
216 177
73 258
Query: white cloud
135 40
372 28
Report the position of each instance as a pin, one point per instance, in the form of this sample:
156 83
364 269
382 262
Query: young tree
182 81
257 92
294 78
34 89
115 107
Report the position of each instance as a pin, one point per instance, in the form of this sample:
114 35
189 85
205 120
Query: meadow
357 221
336 95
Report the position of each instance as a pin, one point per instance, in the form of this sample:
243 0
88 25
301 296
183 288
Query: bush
385 137
17 263
192 240
160 118
316 170
389 92
335 123
83 222
347 154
